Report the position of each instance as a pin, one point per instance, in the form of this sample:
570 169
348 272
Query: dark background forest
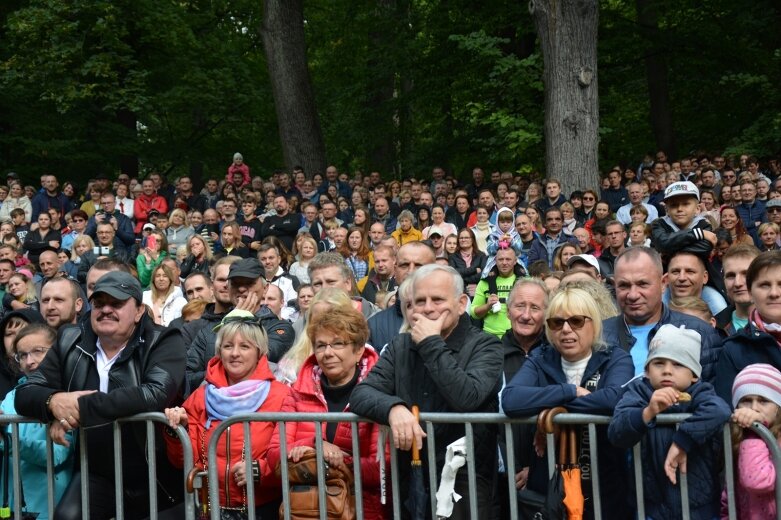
399 85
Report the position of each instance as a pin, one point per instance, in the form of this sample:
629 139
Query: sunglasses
575 322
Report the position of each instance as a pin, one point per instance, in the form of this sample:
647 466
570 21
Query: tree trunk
291 86
381 127
656 73
568 39
128 161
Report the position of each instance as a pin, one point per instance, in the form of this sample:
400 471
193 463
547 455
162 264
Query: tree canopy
399 85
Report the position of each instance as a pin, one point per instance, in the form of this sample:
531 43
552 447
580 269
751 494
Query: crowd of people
657 292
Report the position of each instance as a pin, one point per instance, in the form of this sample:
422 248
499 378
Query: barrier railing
430 420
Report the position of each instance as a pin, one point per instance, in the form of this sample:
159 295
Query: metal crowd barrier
428 419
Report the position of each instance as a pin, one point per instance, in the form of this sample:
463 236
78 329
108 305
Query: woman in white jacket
16 199
162 297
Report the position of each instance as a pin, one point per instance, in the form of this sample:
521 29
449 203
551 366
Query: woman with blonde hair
81 245
20 292
178 231
326 300
307 250
166 303
199 256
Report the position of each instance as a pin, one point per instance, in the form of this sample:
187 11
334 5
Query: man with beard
216 311
61 302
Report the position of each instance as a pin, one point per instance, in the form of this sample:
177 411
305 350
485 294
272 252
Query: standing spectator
199 254
148 201
380 278
356 253
341 359
124 204
445 364
284 224
553 196
238 172
61 302
638 282
615 195
30 347
735 262
91 206
50 197
146 377
230 242
270 258
546 244
693 446
184 192
306 252
751 210
583 373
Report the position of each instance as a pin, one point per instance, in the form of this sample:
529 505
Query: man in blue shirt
639 287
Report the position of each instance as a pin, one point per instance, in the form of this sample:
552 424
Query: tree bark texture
128 161
294 100
568 38
382 146
656 74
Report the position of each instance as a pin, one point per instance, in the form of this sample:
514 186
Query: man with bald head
385 325
381 214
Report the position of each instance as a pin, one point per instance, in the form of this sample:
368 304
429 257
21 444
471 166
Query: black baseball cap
119 285
246 268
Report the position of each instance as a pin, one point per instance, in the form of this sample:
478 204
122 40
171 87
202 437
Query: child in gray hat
671 384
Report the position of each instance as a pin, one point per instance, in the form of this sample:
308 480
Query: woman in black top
43 238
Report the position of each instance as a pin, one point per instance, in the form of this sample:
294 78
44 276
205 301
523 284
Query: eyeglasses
36 353
78 220
575 322
588 198
336 345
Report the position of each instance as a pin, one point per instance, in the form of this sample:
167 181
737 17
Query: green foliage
400 85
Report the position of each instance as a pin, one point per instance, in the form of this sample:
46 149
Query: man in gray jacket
444 364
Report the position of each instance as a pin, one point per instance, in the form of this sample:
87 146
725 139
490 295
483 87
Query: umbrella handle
415 451
573 445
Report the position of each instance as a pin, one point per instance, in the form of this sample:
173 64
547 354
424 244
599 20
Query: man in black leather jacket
116 364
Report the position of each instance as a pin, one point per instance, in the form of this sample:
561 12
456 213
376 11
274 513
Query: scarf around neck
772 329
244 397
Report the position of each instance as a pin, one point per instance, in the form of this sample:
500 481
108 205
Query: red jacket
243 169
307 396
229 448
143 205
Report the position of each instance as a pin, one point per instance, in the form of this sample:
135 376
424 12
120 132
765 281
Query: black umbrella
417 498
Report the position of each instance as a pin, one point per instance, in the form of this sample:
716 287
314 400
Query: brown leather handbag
304 499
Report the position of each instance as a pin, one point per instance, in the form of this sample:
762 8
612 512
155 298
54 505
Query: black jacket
459 374
88 259
523 434
284 228
34 244
746 347
468 272
372 286
148 376
209 318
191 265
280 339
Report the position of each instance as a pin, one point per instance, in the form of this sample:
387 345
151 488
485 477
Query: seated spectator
20 292
306 252
230 243
199 256
153 251
162 297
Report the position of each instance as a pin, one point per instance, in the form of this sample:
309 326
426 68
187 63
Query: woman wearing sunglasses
579 372
238 381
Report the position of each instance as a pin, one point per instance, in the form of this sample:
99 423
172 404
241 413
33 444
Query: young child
18 220
756 396
671 384
505 235
683 229
328 244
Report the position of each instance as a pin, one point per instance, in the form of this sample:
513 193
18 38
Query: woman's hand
581 392
745 417
239 473
145 254
176 416
298 452
521 478
333 454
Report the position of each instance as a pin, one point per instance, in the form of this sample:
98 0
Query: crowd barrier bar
430 420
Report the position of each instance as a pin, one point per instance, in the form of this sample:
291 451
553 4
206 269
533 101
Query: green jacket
145 269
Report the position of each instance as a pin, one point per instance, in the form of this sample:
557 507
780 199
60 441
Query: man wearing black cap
247 290
117 364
